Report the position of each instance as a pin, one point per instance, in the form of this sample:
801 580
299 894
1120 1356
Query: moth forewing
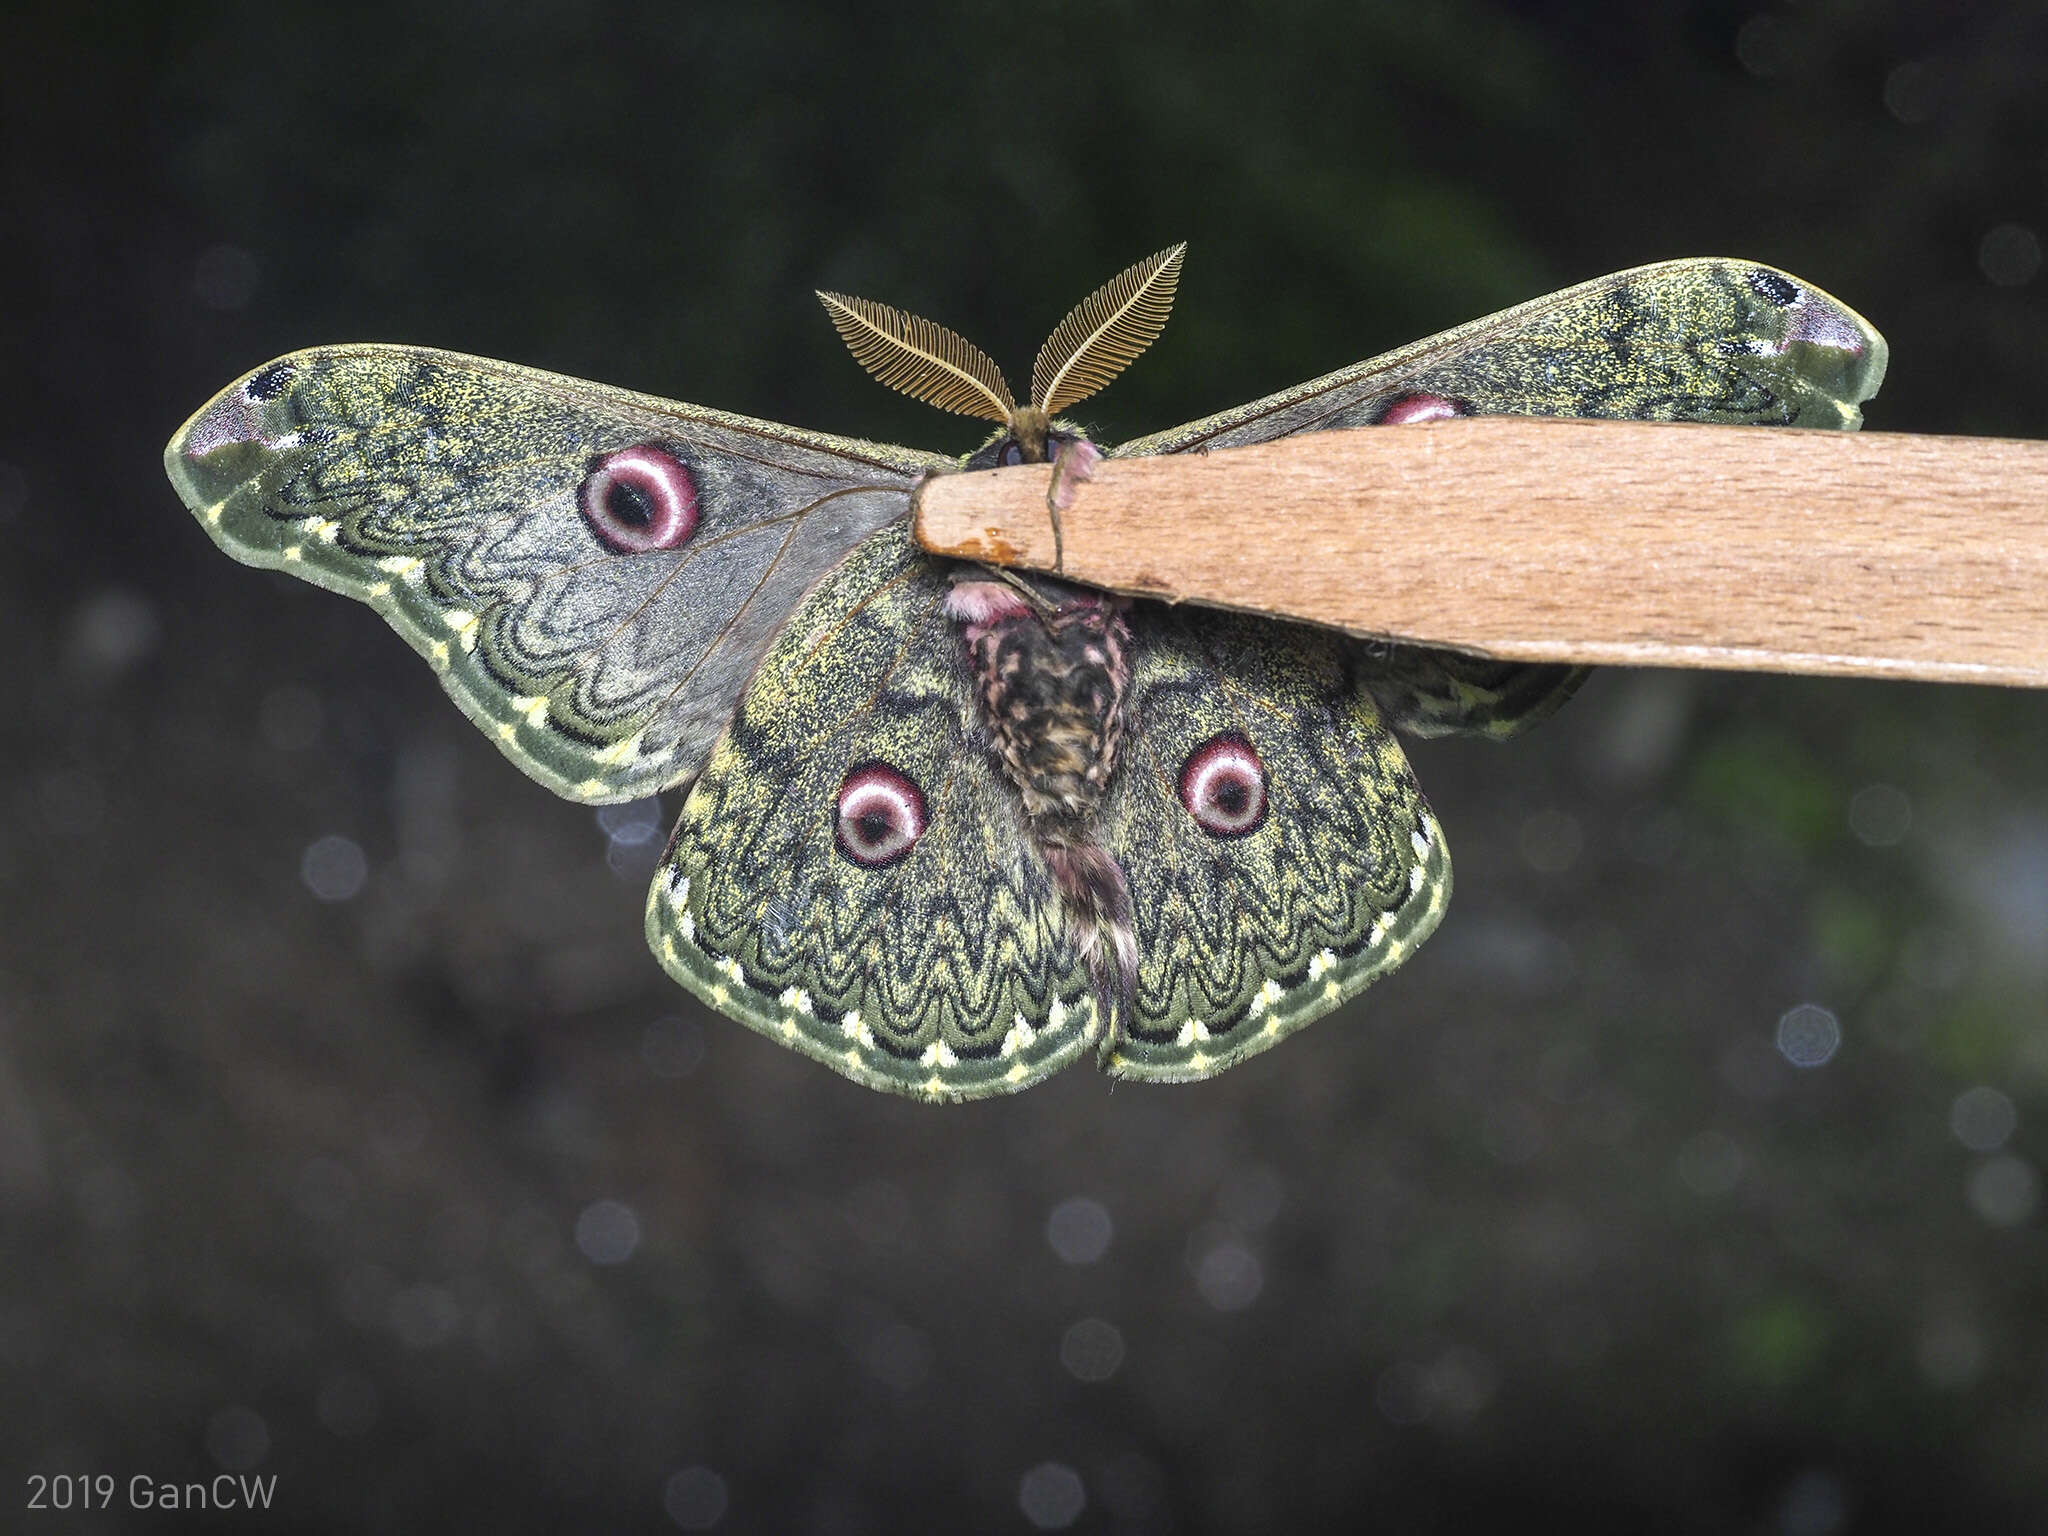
1712 339
592 573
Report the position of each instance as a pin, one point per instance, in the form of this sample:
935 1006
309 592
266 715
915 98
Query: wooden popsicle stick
1635 543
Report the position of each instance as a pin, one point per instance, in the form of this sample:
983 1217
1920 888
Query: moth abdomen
1051 683
1097 902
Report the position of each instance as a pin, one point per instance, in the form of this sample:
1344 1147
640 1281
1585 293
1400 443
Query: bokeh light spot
1982 1118
607 1232
695 1498
2004 1190
1092 1350
1815 1504
1051 1495
1911 92
633 823
2010 255
237 1438
1079 1230
334 869
1764 44
1227 1273
1809 1035
1711 1163
111 632
633 840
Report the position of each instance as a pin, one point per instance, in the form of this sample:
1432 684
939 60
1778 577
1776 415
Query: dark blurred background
1689 1180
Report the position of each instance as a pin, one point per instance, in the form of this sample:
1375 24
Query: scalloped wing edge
1329 980
1030 1052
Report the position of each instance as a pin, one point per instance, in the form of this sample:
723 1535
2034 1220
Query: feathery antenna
1105 332
923 360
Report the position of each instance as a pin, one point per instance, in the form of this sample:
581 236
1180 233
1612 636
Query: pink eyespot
879 817
639 498
1421 406
1223 785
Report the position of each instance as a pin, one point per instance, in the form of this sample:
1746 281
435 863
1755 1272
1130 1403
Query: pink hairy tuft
1074 465
983 603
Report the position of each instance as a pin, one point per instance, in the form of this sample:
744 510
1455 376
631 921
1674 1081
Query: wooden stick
1643 544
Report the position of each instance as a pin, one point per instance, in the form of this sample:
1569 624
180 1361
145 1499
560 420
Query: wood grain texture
1638 544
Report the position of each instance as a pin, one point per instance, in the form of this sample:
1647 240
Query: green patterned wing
1429 692
1707 339
593 573
1278 851
852 877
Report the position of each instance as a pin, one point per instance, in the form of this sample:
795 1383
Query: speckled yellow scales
1247 937
464 500
946 830
944 971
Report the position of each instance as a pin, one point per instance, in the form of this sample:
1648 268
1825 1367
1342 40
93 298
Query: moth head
1028 437
1100 337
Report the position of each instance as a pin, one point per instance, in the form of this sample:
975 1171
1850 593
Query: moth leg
1074 464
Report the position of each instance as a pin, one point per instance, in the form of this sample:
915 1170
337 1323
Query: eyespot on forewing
639 499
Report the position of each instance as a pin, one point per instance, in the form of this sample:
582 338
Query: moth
947 829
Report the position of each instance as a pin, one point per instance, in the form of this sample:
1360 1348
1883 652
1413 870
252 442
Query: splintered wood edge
1619 543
